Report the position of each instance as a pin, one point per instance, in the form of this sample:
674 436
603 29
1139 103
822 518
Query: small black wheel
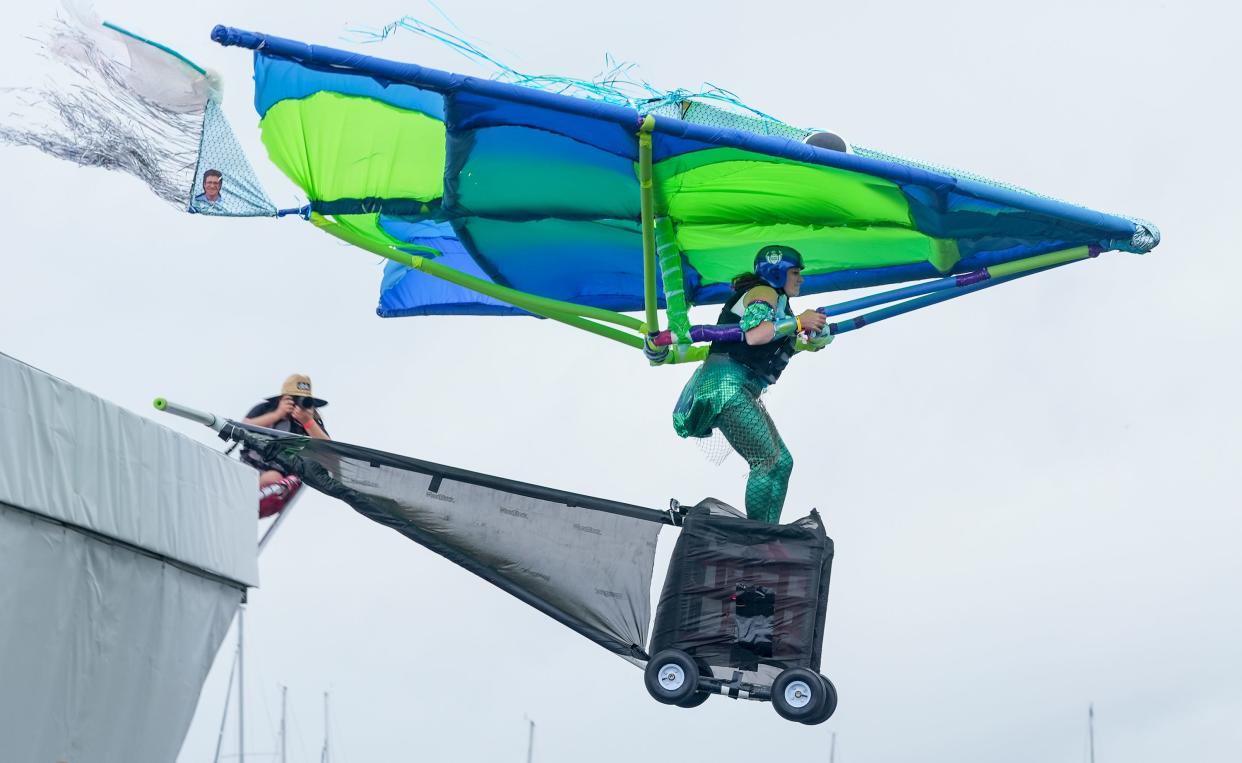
830 703
697 699
672 677
799 694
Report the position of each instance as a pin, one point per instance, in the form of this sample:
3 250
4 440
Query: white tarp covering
67 454
124 549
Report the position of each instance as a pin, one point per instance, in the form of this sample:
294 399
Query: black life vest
766 360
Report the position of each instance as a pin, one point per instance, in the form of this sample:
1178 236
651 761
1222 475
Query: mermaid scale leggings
745 423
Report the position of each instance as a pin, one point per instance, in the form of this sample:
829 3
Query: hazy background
1032 490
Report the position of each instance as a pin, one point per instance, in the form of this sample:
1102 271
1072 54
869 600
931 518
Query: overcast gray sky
1033 491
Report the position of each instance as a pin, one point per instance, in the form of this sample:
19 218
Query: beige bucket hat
299 385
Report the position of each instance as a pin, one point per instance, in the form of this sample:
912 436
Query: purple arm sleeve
714 333
709 333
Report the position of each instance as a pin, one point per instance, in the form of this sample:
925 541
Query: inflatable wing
523 200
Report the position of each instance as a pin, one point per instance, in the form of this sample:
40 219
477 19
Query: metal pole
324 757
224 718
206 419
284 711
530 743
1091 729
241 684
832 751
280 517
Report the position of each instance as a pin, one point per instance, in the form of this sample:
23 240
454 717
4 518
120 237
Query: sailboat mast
241 684
224 718
1091 729
530 743
284 710
324 757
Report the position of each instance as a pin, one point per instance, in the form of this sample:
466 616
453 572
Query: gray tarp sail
586 562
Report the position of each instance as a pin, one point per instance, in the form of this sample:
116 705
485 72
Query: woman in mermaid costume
724 393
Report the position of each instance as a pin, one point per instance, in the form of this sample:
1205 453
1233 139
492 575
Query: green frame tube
1059 257
647 197
671 275
694 354
532 302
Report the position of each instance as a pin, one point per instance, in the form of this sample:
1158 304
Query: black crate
742 594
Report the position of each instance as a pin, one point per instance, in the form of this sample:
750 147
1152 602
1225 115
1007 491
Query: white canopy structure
125 549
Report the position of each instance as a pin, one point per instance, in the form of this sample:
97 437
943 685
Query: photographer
294 410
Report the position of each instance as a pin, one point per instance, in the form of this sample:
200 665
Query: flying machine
523 200
609 214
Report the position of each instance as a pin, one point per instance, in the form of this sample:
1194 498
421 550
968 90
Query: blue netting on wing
224 182
697 112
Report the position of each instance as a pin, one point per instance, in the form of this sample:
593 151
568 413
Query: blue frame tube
446 82
943 295
961 280
893 295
